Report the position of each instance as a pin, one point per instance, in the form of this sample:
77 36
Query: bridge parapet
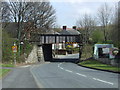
55 38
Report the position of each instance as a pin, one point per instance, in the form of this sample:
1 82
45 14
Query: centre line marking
81 74
61 68
103 81
59 64
68 70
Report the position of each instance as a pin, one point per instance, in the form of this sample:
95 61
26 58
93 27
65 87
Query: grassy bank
4 72
7 65
98 65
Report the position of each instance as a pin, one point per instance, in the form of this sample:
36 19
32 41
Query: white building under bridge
64 44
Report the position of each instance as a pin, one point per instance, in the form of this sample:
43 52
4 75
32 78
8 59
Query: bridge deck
55 38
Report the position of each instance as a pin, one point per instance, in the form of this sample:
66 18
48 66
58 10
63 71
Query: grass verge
4 72
7 65
98 65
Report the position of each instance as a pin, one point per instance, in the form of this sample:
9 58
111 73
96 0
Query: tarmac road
20 77
69 75
59 75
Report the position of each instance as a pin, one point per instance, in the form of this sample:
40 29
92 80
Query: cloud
85 10
81 8
76 1
69 12
72 1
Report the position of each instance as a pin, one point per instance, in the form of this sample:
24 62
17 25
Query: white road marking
60 63
81 74
61 68
85 75
68 70
103 81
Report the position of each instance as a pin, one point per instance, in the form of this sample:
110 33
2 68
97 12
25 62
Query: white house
66 31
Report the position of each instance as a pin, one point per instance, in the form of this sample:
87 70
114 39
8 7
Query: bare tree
87 23
41 14
5 12
119 21
15 12
115 30
105 18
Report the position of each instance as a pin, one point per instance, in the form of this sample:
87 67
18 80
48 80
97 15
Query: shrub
7 42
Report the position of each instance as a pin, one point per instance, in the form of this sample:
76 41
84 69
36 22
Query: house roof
52 32
70 32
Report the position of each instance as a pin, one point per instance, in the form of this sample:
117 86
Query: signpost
14 49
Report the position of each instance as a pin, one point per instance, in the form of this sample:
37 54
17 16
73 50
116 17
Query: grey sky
68 12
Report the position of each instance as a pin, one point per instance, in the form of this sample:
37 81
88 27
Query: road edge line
36 80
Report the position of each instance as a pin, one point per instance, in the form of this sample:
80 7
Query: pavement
70 75
19 77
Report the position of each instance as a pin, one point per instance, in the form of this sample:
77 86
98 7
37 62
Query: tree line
28 16
102 28
38 17
19 20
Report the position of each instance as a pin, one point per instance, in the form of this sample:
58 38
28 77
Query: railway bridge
45 43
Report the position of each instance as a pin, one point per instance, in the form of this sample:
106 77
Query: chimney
74 27
64 27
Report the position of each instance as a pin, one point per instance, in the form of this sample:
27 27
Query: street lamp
21 43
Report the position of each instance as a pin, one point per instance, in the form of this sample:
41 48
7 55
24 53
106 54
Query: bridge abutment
32 57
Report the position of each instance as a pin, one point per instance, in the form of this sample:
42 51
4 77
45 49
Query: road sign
14 48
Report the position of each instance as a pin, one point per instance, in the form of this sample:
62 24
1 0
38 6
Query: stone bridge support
40 53
36 55
32 57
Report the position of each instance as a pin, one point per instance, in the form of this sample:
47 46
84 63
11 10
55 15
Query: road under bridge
47 40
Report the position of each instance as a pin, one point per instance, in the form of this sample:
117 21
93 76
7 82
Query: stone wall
108 61
104 60
32 58
40 54
36 55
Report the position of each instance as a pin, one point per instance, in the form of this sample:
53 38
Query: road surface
59 75
20 77
69 75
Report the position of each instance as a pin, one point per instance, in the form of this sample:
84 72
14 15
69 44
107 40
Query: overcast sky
68 11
